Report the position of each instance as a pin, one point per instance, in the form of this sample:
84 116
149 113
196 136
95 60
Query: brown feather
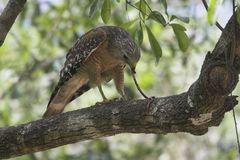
64 95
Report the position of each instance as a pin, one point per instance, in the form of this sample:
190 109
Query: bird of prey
98 56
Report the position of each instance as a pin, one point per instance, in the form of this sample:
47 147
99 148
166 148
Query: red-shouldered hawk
98 56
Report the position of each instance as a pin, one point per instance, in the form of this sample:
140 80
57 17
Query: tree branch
194 111
8 16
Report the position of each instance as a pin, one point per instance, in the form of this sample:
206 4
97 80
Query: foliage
173 33
213 6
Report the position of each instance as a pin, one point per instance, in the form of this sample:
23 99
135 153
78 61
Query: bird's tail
61 97
51 110
80 91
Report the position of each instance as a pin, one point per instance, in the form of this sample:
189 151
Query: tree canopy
187 63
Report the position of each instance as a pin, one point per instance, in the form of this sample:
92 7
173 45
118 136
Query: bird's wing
80 52
77 55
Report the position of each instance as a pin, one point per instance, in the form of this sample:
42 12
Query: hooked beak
133 66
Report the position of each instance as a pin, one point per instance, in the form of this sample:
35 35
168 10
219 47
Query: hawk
98 56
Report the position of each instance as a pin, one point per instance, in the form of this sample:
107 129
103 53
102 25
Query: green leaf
157 50
158 17
213 5
140 35
93 7
5 111
178 26
211 11
164 5
132 31
182 38
128 24
141 5
106 11
238 15
183 19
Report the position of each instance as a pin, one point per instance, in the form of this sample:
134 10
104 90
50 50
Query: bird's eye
125 57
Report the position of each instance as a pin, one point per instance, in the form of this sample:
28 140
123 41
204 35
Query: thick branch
166 115
194 111
8 16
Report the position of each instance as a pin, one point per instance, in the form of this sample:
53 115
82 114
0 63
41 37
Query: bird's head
130 54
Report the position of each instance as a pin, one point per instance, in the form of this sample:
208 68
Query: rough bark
194 111
8 17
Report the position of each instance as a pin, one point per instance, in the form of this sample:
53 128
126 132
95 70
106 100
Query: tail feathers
54 93
80 91
58 101
53 109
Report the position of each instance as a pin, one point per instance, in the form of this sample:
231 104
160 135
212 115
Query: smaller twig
236 130
232 55
126 4
126 8
139 9
139 89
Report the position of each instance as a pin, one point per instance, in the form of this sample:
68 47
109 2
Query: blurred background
35 50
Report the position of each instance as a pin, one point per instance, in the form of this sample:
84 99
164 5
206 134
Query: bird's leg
118 78
102 94
120 89
105 100
124 97
96 79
